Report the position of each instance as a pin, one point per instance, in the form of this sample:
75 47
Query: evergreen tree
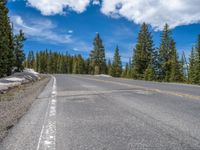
37 63
165 54
117 64
125 71
75 66
6 41
197 62
80 64
176 74
130 69
149 73
51 62
192 66
142 52
97 57
109 66
87 66
18 51
30 60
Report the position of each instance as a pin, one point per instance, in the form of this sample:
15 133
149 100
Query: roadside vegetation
11 46
20 89
148 62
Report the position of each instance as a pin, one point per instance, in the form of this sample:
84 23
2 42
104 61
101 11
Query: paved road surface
98 113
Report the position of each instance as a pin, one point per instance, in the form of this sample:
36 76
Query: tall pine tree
125 71
97 57
176 74
165 54
6 41
142 52
19 55
117 64
30 60
198 60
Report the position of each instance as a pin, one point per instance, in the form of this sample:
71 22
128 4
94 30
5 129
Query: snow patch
15 79
31 71
103 75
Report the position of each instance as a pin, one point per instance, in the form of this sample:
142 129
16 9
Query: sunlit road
77 112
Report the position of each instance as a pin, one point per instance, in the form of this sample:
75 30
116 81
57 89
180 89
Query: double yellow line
144 88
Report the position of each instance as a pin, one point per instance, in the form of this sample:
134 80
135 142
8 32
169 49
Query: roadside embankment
17 93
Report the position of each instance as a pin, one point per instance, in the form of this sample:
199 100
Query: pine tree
97 57
6 41
81 65
176 74
125 71
18 51
192 66
149 74
75 65
117 64
197 61
87 64
37 63
30 60
165 54
109 66
142 52
130 69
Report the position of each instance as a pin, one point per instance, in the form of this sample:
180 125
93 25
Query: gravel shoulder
16 101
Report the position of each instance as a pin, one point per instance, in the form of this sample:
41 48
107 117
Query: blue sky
70 26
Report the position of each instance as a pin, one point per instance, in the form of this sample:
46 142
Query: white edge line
41 133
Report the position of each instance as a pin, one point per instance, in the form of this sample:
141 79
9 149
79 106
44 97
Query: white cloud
41 30
96 2
75 49
70 31
155 12
52 7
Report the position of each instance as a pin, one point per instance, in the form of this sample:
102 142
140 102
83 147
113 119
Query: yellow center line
144 88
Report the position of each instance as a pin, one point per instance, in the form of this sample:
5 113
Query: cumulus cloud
41 30
154 12
96 2
52 7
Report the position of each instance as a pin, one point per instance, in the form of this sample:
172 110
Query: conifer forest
162 63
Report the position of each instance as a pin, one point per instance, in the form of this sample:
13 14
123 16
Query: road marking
146 89
97 92
47 139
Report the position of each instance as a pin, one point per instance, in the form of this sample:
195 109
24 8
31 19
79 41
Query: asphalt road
77 112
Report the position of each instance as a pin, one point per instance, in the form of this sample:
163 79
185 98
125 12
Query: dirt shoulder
16 102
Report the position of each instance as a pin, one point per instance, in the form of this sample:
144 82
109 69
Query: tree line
11 46
147 63
48 61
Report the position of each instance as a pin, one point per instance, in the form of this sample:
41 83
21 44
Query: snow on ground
103 75
31 71
17 79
